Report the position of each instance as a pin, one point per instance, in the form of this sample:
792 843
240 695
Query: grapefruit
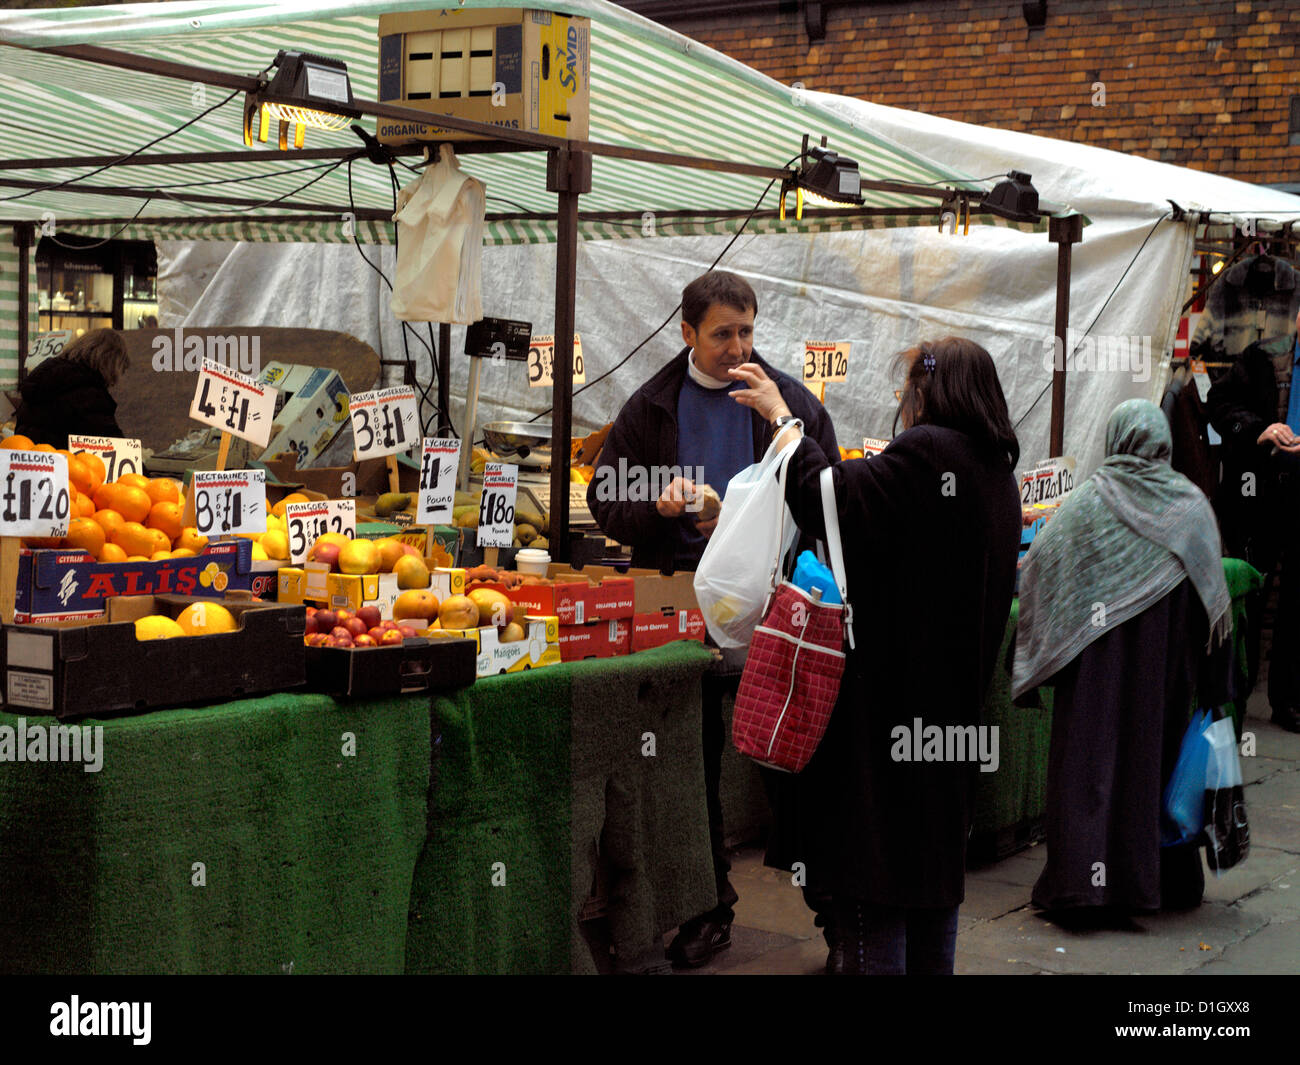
202 619
157 627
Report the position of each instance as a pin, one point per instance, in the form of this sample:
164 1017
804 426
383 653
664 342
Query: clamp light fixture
1014 198
824 178
306 91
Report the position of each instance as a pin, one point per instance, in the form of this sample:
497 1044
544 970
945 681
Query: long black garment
1119 716
62 397
931 528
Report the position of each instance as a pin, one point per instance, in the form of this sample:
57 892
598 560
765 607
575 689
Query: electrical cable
106 240
1097 316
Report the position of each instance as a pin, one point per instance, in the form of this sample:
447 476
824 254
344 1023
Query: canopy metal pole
568 172
23 233
1064 231
444 377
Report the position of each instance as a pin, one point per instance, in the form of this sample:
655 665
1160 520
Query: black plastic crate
414 665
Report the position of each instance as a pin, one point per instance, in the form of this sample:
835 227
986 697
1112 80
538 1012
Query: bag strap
784 465
831 516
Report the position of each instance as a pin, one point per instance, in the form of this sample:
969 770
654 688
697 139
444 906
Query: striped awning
651 88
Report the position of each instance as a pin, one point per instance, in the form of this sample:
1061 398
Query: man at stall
683 419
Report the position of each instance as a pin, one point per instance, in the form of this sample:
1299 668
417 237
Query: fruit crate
98 667
414 665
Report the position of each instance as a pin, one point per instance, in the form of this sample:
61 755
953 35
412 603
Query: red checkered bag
796 659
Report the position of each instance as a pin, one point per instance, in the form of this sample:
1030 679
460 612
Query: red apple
326 620
317 639
355 626
327 553
343 615
370 615
339 632
338 641
387 624
408 631
392 636
311 610
365 640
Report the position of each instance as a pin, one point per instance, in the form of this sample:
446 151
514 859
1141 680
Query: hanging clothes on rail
1254 301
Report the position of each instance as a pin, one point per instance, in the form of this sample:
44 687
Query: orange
85 505
132 503
182 552
85 534
158 556
45 447
161 541
163 490
191 541
135 539
135 480
292 497
95 464
79 474
108 520
111 553
104 496
137 558
167 517
18 442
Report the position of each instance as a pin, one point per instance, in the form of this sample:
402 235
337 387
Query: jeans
900 941
714 740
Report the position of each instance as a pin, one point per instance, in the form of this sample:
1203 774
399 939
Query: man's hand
762 394
1279 434
707 527
672 503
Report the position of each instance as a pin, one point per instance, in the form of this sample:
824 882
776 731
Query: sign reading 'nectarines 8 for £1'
229 502
34 499
496 510
438 465
309 521
233 403
384 422
118 454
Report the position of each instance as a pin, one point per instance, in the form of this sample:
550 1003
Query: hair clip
928 360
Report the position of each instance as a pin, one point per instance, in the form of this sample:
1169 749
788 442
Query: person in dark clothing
70 392
1121 594
1258 503
678 429
931 530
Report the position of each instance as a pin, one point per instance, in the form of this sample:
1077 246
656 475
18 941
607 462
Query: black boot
848 954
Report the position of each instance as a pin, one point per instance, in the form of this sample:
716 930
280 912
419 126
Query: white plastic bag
440 220
754 530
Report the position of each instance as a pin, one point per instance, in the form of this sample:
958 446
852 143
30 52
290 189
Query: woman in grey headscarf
1120 596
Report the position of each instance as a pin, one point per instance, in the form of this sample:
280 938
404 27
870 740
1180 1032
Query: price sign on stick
825 360
229 502
308 521
34 498
496 512
385 422
119 455
233 403
541 362
1048 482
872 445
438 466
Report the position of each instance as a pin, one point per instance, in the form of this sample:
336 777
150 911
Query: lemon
259 553
200 619
157 627
276 544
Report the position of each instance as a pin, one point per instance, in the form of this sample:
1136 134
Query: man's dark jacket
62 397
645 434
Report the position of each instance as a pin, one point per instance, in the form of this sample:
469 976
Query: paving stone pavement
1249 922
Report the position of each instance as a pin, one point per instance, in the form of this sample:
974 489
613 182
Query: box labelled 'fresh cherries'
69 585
577 597
596 639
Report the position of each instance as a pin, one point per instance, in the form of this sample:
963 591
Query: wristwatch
781 422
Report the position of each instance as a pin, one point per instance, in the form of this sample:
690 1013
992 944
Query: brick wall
1200 83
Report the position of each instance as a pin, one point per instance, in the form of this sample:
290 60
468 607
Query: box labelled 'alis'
514 68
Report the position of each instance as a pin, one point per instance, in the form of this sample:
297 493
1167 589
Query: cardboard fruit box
310 584
97 667
414 665
539 647
597 639
59 585
578 597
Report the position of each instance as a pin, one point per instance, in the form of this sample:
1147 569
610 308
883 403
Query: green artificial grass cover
308 854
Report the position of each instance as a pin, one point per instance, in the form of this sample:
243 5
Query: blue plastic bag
1182 811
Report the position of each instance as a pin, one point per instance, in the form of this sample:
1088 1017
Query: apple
326 620
317 639
408 631
365 640
343 615
311 611
392 636
338 641
370 615
339 632
388 623
376 633
355 626
324 552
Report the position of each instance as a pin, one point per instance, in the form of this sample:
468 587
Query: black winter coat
1242 404
930 561
62 397
645 434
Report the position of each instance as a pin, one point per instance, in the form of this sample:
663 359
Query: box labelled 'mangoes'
514 68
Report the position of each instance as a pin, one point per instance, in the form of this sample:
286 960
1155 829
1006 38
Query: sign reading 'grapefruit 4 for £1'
34 499
384 422
230 502
309 521
234 403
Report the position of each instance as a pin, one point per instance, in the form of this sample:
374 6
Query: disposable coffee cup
532 560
